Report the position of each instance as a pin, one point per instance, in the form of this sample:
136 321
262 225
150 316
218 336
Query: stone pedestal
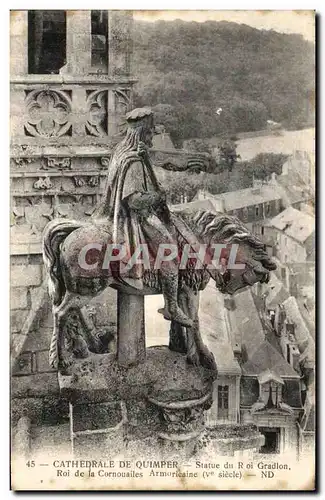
165 399
183 424
131 349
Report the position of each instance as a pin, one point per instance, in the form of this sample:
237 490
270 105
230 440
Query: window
245 213
99 40
272 440
262 230
46 41
223 401
272 316
257 211
268 209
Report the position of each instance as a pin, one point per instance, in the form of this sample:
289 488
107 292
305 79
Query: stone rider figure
136 204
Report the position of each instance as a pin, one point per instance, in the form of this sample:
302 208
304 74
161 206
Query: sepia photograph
162 250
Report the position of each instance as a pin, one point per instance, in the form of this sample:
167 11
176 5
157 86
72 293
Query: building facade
265 358
257 203
292 235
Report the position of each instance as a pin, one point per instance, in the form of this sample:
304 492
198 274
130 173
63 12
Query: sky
284 21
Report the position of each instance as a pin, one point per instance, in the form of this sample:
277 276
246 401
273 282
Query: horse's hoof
207 360
193 359
65 367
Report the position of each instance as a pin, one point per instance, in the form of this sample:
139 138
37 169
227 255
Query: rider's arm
134 191
134 180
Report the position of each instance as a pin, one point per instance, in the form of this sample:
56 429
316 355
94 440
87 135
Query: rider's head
141 120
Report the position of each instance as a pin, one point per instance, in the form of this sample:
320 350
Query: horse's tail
54 234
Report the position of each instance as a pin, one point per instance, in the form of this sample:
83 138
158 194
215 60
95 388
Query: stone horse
70 290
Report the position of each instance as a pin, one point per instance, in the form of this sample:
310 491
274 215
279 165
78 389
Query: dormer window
270 389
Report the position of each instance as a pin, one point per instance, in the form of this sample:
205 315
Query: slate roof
214 330
276 292
250 196
269 375
245 323
298 225
293 192
194 206
302 333
266 357
259 353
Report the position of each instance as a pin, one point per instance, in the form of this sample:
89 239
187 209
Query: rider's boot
172 311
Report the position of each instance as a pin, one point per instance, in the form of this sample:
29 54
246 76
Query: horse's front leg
197 351
188 301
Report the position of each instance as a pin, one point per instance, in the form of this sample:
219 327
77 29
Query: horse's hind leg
59 357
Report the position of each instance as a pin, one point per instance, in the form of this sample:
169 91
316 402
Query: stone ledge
165 375
95 79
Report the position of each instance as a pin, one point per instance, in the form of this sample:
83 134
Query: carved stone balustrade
68 110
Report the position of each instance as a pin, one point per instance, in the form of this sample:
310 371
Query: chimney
237 350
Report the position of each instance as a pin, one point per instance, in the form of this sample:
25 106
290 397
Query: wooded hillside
189 70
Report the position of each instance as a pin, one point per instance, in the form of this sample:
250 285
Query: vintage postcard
162 250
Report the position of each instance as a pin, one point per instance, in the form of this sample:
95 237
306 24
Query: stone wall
34 385
27 299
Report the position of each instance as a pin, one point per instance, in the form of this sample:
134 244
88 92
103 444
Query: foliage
188 184
228 154
190 70
264 164
197 145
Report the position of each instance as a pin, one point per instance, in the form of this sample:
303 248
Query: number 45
30 463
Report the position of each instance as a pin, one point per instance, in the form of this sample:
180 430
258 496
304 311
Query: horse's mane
227 229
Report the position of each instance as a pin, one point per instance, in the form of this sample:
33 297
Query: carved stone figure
134 211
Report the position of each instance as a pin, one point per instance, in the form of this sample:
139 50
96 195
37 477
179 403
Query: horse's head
255 262
244 260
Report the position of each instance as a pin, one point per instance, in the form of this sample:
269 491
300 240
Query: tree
227 154
264 164
253 75
169 116
198 145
